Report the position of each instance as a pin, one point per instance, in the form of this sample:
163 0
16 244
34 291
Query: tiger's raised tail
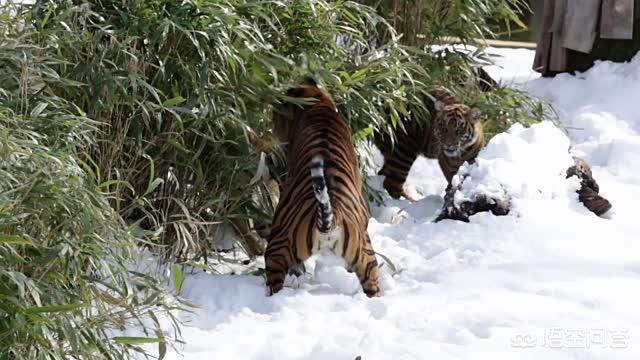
319 182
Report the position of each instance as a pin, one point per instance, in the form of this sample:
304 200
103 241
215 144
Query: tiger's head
456 127
287 112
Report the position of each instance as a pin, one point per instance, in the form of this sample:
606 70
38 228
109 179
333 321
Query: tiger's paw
296 276
609 214
410 198
297 270
451 213
295 282
372 290
371 293
273 288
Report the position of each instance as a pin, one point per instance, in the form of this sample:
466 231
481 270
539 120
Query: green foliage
65 287
174 87
429 22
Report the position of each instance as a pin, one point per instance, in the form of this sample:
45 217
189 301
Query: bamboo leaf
14 239
389 263
134 340
178 277
173 101
52 308
38 109
153 185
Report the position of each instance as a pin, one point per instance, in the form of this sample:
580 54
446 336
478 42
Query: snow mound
624 158
522 163
599 108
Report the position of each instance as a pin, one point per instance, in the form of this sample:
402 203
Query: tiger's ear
475 114
294 92
309 80
439 106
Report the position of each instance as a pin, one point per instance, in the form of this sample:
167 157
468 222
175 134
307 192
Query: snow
548 281
512 66
504 168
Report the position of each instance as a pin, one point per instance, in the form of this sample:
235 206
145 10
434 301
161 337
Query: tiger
453 136
483 81
322 206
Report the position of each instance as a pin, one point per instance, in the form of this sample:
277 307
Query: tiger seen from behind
453 136
321 206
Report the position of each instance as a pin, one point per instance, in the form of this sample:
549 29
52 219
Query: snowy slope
549 281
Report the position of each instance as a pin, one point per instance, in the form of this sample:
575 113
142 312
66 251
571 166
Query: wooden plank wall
608 49
574 33
617 19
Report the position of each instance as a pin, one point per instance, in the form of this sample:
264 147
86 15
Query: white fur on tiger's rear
327 240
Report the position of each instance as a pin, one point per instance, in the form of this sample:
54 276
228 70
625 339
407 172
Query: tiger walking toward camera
322 206
453 136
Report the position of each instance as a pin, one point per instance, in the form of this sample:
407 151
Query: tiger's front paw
410 198
274 288
372 292
452 213
371 288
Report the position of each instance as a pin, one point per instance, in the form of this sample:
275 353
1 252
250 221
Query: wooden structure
574 33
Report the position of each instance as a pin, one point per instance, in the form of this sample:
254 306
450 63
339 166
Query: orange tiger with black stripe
454 135
322 206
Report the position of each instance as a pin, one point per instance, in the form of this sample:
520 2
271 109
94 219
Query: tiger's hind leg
279 259
365 265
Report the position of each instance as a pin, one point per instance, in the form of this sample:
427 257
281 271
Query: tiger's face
455 127
286 114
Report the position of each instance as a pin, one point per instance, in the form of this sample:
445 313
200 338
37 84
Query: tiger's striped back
322 206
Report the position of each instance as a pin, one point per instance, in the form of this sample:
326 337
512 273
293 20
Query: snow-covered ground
549 281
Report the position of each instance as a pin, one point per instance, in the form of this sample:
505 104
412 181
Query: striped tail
319 182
